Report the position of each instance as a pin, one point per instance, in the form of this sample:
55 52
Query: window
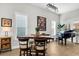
21 25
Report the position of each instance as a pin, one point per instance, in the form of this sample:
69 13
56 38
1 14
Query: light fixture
52 7
6 29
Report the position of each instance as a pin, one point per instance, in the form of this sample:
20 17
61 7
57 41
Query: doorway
53 27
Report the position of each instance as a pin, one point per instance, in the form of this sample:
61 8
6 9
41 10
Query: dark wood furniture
5 43
32 51
23 43
33 38
40 46
44 34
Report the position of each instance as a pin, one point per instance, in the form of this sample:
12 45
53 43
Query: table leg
49 40
65 41
52 39
72 39
62 41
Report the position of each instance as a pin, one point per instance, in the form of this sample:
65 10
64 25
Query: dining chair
0 51
23 44
40 47
45 34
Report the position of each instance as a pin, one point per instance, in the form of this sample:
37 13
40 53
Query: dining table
33 37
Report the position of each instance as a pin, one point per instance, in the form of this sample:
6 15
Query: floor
54 49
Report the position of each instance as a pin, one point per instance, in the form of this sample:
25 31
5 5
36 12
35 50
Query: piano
67 34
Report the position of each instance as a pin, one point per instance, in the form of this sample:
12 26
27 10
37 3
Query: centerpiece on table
37 31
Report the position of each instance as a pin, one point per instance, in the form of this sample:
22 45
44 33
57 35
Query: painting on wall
41 23
6 22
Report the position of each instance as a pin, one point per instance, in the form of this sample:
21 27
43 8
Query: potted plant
60 26
37 31
59 33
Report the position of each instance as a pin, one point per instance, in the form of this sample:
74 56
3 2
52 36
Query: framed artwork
6 22
41 23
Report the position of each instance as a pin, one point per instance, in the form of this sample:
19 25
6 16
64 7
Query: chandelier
52 7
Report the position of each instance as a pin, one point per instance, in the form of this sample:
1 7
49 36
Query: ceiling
62 7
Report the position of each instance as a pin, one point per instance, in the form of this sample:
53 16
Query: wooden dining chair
23 44
40 47
45 34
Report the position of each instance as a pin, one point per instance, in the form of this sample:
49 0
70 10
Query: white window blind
21 25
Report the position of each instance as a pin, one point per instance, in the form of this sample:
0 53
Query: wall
70 16
9 11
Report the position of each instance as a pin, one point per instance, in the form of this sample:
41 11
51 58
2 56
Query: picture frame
41 23
6 22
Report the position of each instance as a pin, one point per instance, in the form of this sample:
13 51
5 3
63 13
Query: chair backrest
23 42
40 42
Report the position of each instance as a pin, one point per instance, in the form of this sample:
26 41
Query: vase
37 33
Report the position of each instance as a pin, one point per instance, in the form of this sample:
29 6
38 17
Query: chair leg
36 53
30 52
44 54
24 53
20 52
0 52
27 52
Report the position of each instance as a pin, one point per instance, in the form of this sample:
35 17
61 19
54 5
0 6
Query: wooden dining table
33 37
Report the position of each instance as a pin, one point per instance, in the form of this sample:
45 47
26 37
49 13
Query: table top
32 37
